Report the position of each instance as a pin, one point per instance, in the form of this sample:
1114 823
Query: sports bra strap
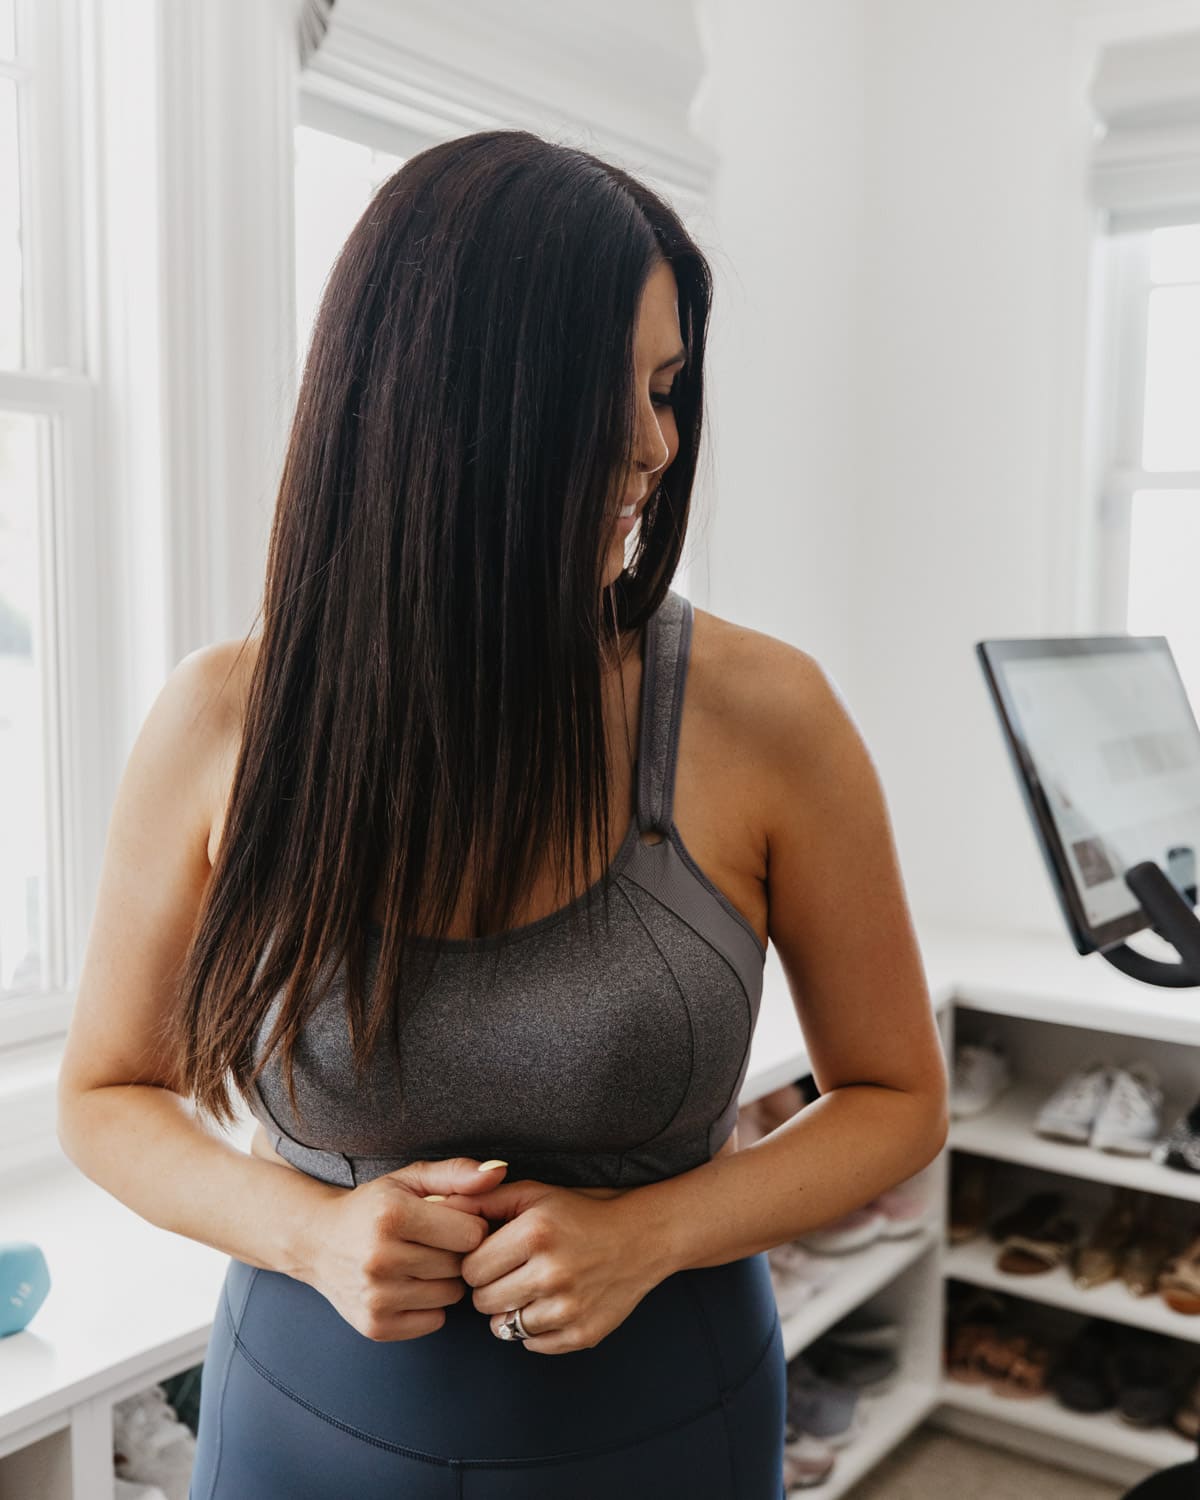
668 647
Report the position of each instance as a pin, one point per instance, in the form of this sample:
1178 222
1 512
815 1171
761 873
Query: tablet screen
1107 752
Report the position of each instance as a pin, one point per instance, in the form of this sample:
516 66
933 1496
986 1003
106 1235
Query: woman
493 1238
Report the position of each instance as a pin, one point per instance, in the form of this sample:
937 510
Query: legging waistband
461 1393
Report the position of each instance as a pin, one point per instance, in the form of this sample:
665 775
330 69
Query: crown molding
616 79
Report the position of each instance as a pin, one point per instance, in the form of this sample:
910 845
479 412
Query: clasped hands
575 1264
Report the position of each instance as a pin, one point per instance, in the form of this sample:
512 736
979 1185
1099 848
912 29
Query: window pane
23 757
11 330
335 179
1172 430
1164 545
1175 253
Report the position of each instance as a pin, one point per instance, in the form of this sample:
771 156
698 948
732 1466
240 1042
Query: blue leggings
686 1397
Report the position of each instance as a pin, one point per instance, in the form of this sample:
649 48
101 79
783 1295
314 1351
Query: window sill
129 1303
29 1105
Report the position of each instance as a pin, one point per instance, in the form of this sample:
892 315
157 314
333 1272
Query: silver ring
512 1327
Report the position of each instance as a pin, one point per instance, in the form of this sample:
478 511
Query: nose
652 449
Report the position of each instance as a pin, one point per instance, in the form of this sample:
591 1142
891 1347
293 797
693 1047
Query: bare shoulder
203 705
752 710
217 678
775 698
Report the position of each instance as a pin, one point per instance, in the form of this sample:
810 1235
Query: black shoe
1180 1147
1082 1377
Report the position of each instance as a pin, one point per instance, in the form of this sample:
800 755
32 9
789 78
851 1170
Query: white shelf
127 1299
975 1261
1104 1431
1005 1131
888 1419
1040 977
861 1273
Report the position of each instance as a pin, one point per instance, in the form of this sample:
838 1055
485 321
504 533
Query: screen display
1107 748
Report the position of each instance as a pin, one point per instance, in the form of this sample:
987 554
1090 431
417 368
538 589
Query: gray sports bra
610 1062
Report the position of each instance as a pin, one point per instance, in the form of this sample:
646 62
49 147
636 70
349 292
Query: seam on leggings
222 1308
727 1391
722 1388
500 1463
225 1306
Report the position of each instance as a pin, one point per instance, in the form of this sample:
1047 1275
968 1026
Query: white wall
972 271
787 123
902 194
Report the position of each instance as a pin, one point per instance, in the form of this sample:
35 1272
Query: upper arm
837 910
152 881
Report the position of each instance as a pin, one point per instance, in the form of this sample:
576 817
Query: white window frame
1119 418
58 384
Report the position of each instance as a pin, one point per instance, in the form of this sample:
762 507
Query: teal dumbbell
24 1283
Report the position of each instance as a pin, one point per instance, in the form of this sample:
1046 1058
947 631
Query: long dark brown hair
427 697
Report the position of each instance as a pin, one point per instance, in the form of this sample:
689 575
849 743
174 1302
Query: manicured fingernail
435 1197
488 1165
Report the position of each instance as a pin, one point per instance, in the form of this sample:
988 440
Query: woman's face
658 355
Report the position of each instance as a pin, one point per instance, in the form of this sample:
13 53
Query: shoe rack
1049 1016
1041 1053
898 1279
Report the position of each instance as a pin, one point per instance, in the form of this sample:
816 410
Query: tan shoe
1146 1254
1179 1279
970 1197
1097 1259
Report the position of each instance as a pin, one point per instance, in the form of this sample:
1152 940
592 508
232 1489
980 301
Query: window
49 714
1151 493
335 178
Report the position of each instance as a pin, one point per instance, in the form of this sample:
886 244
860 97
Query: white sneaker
1071 1110
791 1294
981 1074
796 1276
150 1445
807 1461
853 1231
1130 1117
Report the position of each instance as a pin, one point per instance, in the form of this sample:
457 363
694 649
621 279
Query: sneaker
904 1208
864 1329
1071 1110
791 1261
150 1445
826 1409
860 1227
806 1462
981 1075
796 1276
791 1296
868 1371
1130 1118
1180 1147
